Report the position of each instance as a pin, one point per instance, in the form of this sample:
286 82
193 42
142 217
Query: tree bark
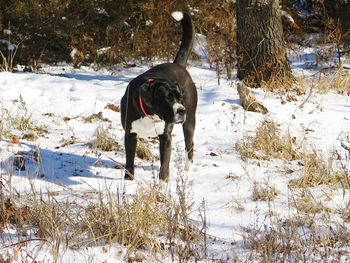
261 47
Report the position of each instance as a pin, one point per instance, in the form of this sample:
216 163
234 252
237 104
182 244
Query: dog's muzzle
179 113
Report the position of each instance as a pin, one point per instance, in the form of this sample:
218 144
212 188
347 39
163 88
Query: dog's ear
147 91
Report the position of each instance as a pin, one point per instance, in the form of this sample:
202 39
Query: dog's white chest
147 127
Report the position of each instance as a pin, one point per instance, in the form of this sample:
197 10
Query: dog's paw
189 166
163 186
129 175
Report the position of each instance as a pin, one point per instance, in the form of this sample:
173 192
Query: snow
61 92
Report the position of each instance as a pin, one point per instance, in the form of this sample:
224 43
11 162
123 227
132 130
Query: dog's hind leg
130 140
188 130
165 152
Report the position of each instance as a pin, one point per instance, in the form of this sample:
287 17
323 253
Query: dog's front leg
165 152
188 130
130 140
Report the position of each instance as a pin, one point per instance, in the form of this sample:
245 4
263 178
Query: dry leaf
112 107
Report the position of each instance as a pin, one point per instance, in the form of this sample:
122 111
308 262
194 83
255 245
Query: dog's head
166 99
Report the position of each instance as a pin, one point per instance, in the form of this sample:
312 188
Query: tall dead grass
297 240
337 81
263 192
311 228
104 141
21 122
151 219
266 143
318 170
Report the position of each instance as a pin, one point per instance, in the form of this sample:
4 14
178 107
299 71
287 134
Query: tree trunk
261 47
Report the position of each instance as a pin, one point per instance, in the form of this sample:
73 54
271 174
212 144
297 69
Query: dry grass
143 151
345 212
281 85
236 205
69 141
320 171
337 81
150 220
309 205
270 244
30 136
95 117
13 214
295 240
132 223
21 121
310 233
104 141
267 143
263 192
312 227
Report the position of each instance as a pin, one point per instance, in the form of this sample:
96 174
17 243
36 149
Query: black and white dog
157 99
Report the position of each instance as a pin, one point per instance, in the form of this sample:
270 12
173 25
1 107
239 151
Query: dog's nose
181 111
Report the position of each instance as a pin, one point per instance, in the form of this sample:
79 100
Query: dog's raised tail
187 37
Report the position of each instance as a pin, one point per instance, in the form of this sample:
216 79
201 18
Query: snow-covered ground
62 97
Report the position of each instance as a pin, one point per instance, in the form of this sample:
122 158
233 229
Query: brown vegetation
108 32
267 143
104 141
151 220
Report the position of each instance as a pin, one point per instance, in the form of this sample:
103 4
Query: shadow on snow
58 167
90 77
68 168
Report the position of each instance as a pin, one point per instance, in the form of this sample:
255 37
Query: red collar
149 81
143 109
